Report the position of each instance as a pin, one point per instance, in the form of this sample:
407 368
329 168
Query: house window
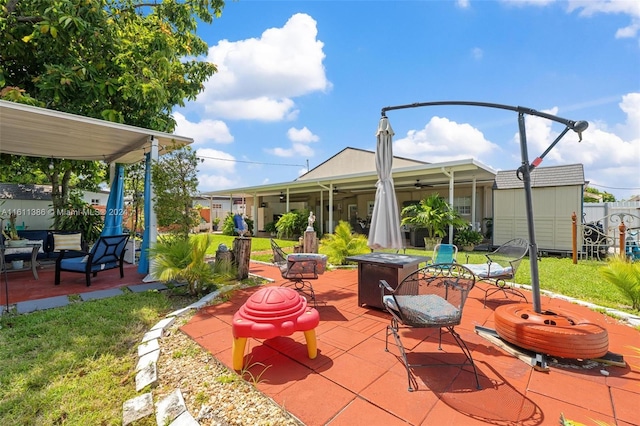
462 205
95 202
216 206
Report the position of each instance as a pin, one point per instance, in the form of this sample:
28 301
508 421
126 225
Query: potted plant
271 229
434 215
11 235
215 223
467 238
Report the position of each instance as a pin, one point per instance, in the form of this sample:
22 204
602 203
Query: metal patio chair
501 266
299 269
431 297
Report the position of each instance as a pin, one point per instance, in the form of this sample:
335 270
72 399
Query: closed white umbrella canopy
385 220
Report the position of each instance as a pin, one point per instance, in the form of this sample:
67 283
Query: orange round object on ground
558 333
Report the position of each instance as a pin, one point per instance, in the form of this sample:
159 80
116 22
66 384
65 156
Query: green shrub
293 224
228 227
343 243
183 260
626 277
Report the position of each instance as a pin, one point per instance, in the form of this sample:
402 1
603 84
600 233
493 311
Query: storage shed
556 194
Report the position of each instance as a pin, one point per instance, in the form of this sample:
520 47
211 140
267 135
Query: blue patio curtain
143 263
115 204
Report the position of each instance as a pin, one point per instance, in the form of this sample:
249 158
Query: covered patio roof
39 132
432 175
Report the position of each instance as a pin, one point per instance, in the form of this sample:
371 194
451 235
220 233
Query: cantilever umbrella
385 221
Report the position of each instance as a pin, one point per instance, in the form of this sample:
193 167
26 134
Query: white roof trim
40 132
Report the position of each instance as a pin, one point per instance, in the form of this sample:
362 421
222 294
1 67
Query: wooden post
310 243
574 237
623 233
242 256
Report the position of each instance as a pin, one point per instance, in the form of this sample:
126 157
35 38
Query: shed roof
18 191
566 175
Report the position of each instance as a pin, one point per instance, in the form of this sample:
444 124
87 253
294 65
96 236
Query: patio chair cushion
482 270
79 264
424 309
304 263
24 250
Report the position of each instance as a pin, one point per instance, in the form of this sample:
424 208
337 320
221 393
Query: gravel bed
214 394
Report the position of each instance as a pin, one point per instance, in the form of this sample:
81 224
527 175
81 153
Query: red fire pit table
271 312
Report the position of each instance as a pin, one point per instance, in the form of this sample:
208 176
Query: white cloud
608 158
301 135
300 139
218 170
462 4
258 77
528 2
445 140
589 8
630 105
296 150
477 53
262 109
203 131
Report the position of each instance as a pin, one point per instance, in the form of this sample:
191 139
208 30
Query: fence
611 234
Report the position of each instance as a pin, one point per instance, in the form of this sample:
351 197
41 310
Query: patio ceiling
39 132
430 175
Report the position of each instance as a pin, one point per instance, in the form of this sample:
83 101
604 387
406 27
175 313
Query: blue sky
298 81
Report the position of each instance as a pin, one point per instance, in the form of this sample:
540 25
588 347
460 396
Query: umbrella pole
525 170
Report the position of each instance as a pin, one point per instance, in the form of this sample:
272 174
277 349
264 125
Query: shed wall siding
552 210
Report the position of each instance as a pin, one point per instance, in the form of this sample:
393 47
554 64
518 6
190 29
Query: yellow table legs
239 344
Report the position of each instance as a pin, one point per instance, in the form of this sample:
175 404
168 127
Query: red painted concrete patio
353 381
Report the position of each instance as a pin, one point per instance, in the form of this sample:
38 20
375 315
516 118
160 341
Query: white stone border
172 409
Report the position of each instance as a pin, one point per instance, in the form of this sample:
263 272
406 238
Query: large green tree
175 183
119 60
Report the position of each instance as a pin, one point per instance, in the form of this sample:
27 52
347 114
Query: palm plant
626 277
343 243
433 214
183 260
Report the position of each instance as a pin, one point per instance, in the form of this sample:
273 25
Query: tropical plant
78 215
287 225
183 260
433 214
467 236
626 277
270 227
12 232
343 243
228 225
293 224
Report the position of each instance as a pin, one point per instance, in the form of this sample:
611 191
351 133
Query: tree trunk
242 256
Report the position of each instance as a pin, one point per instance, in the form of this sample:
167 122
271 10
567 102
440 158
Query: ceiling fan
419 185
